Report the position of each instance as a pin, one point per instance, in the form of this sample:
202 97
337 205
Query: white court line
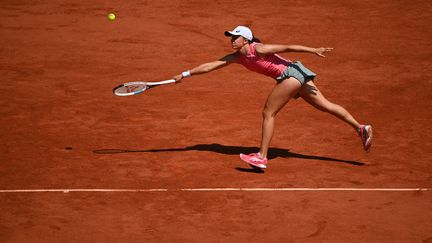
217 189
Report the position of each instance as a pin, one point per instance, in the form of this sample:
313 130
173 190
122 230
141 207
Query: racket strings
131 89
134 88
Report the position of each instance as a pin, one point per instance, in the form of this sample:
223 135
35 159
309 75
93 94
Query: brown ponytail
254 39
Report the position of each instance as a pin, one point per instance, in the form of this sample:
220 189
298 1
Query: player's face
238 41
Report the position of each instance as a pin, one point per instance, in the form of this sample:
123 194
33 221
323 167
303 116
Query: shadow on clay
234 150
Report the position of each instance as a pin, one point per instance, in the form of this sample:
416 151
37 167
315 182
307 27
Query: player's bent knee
267 113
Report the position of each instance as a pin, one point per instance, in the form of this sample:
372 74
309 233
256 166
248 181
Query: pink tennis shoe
255 160
365 134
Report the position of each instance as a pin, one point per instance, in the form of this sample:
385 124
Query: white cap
242 31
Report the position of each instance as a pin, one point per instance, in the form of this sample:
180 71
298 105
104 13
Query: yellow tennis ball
111 16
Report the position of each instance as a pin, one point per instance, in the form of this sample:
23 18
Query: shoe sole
368 143
261 166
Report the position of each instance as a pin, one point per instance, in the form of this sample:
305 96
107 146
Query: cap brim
228 33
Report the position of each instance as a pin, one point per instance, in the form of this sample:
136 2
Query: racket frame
147 85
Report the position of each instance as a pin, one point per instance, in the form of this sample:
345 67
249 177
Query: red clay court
79 164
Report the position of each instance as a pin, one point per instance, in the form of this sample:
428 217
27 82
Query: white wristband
186 74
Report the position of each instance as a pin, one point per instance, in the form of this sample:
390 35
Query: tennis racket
133 88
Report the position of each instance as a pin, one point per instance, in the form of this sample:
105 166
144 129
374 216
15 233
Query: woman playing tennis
293 80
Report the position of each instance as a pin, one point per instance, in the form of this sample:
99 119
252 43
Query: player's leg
311 94
279 96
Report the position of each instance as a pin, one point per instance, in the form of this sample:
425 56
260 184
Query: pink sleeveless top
271 65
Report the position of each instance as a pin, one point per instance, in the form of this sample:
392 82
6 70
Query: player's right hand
178 78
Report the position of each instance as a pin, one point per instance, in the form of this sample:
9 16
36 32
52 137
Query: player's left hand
320 51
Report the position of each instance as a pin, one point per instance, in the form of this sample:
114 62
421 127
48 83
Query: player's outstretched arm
206 67
267 49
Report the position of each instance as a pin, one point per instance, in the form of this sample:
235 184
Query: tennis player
293 80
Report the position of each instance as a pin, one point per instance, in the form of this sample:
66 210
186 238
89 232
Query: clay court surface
63 129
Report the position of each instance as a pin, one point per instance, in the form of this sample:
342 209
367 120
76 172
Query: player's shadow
234 150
